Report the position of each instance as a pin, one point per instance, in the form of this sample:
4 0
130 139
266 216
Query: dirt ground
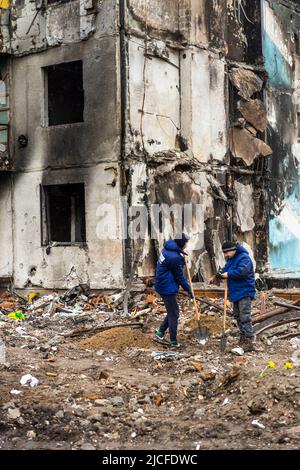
113 390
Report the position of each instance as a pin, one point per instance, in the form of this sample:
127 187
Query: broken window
63 214
64 85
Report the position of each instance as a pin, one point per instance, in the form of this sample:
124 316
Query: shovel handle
225 305
191 284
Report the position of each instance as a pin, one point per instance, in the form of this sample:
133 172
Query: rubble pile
76 373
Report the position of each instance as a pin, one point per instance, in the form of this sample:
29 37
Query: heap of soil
117 339
214 324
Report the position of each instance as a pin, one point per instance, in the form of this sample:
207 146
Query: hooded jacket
241 278
169 270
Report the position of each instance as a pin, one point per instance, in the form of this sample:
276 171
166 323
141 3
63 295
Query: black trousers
171 320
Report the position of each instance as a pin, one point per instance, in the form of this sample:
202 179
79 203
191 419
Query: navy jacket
241 278
169 270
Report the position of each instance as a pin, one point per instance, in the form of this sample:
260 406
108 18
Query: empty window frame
64 93
63 214
4 113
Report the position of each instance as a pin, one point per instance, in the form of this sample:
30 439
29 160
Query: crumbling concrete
177 105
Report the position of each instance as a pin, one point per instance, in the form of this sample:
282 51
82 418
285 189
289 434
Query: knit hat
182 240
229 246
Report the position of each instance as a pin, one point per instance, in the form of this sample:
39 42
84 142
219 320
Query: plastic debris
28 378
21 330
15 392
257 424
32 296
295 359
238 351
19 316
226 401
158 355
295 342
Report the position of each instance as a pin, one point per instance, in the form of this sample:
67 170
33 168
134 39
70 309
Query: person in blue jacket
169 277
239 273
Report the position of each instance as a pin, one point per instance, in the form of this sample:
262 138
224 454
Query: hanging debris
255 113
246 82
245 146
245 206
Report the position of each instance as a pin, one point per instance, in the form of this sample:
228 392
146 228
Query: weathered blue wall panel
277 67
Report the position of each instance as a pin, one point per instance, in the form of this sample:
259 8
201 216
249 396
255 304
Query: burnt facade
107 102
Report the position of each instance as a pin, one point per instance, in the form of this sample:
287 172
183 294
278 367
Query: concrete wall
281 33
86 152
89 142
99 262
6 226
204 103
181 106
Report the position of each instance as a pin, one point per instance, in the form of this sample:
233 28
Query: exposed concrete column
203 103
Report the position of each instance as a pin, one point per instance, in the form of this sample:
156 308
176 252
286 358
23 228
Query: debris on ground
85 365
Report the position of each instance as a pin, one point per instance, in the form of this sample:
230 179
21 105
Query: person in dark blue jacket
239 273
169 277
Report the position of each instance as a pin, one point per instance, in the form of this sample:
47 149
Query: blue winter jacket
241 279
169 270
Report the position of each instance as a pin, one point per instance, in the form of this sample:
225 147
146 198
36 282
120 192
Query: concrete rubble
102 381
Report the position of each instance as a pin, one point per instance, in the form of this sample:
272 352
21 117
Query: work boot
175 345
159 337
248 345
242 340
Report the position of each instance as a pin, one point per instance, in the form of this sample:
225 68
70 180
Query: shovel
224 337
200 332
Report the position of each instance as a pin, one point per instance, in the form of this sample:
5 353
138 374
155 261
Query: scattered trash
295 342
295 359
158 355
257 424
2 352
21 331
13 413
15 392
29 378
32 296
226 401
238 351
19 316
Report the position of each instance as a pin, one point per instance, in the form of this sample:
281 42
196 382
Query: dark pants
171 320
242 314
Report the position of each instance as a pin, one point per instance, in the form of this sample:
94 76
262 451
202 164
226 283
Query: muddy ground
110 390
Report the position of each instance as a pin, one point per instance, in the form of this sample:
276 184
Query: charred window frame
4 112
63 214
64 93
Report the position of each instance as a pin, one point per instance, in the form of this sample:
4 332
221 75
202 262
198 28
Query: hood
241 249
171 245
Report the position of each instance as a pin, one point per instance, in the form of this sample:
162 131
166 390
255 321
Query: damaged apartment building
148 102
